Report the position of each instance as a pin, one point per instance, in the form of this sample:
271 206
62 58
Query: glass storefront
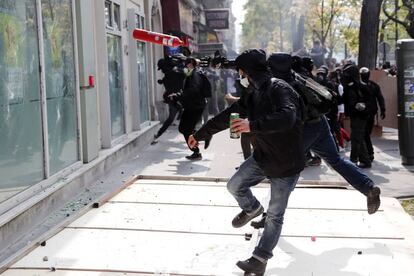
115 72
115 85
22 160
60 83
142 74
21 151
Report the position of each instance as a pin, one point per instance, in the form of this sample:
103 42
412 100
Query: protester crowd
291 115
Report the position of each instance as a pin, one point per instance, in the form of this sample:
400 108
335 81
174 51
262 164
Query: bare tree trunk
300 35
293 32
281 30
368 33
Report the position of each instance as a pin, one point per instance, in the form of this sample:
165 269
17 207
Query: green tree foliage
333 23
402 14
273 24
265 24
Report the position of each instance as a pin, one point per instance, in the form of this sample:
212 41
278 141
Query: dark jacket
376 96
192 96
273 109
353 94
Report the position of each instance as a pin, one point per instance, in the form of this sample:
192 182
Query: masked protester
356 100
317 136
376 99
194 103
274 115
173 83
307 64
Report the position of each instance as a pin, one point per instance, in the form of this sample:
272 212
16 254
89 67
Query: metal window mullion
43 100
77 86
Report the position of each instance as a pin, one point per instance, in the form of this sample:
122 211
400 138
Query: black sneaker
373 200
364 165
155 141
252 266
243 218
194 156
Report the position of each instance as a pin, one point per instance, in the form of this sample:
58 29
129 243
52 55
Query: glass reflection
60 83
115 85
21 150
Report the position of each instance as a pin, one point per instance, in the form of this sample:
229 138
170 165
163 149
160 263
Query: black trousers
368 131
173 109
358 147
188 122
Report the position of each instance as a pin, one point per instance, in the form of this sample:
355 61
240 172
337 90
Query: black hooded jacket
354 92
274 111
192 96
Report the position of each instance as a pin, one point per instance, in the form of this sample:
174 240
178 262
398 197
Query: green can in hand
234 135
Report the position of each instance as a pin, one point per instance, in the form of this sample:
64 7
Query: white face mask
185 70
244 82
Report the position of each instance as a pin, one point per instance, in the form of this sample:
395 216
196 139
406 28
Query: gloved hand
360 106
382 115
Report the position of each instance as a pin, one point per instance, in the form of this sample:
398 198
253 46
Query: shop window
60 83
115 78
108 14
112 15
115 70
23 158
142 73
117 17
21 150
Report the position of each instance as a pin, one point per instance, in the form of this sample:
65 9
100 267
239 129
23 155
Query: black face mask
365 78
320 78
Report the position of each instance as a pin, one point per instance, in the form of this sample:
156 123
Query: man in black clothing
193 102
317 136
322 78
376 99
274 118
317 53
173 83
357 107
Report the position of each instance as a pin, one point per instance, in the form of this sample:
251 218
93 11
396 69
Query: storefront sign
218 19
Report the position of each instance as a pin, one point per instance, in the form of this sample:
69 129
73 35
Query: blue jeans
318 138
248 175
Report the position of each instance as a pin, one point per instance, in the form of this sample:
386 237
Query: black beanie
280 62
252 61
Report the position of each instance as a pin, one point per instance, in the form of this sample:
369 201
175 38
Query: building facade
74 86
187 20
226 36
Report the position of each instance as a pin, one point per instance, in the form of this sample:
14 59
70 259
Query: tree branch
392 18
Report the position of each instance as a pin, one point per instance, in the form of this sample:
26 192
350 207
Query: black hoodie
274 112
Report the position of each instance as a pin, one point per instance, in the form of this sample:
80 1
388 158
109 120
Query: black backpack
319 99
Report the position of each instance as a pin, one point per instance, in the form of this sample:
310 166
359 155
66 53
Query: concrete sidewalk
174 224
178 227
